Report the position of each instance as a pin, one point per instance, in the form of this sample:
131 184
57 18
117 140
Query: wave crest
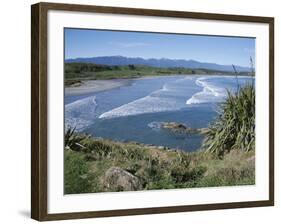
209 94
80 113
148 104
170 97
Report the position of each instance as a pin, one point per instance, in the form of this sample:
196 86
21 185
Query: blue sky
214 49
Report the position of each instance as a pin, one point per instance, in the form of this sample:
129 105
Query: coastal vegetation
98 165
235 126
75 73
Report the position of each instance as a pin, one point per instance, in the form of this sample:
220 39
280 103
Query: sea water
135 112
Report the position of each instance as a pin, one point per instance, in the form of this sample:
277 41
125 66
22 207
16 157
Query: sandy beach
92 86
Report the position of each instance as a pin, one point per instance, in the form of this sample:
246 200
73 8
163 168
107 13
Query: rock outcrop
117 179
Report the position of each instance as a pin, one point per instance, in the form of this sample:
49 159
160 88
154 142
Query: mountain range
162 62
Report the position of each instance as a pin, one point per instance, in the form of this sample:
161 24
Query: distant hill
163 63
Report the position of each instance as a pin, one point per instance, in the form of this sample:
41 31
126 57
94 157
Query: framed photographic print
138 111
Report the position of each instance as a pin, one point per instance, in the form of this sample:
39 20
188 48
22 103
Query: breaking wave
80 113
215 88
209 94
173 96
170 97
148 104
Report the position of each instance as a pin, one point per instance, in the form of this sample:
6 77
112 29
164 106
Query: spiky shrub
69 137
72 140
235 126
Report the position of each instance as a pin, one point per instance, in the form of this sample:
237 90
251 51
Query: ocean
135 112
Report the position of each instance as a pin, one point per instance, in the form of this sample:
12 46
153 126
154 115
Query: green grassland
77 72
87 162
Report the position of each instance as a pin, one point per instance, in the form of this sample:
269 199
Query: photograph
152 111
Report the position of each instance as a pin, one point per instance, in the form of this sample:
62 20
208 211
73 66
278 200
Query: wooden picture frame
39 109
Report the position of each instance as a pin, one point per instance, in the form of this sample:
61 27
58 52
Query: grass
86 165
77 177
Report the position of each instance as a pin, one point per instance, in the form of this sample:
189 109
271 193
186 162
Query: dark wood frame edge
39 111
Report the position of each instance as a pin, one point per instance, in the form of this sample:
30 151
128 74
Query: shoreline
93 86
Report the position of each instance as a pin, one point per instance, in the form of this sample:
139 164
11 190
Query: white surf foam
210 93
80 113
160 100
148 104
155 125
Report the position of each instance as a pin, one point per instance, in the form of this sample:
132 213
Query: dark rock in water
117 179
180 128
173 125
177 127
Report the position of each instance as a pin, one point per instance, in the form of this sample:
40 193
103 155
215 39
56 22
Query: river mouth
126 113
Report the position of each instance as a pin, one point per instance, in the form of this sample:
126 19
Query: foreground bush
235 126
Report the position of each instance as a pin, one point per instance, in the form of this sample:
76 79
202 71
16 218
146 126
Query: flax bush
235 126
